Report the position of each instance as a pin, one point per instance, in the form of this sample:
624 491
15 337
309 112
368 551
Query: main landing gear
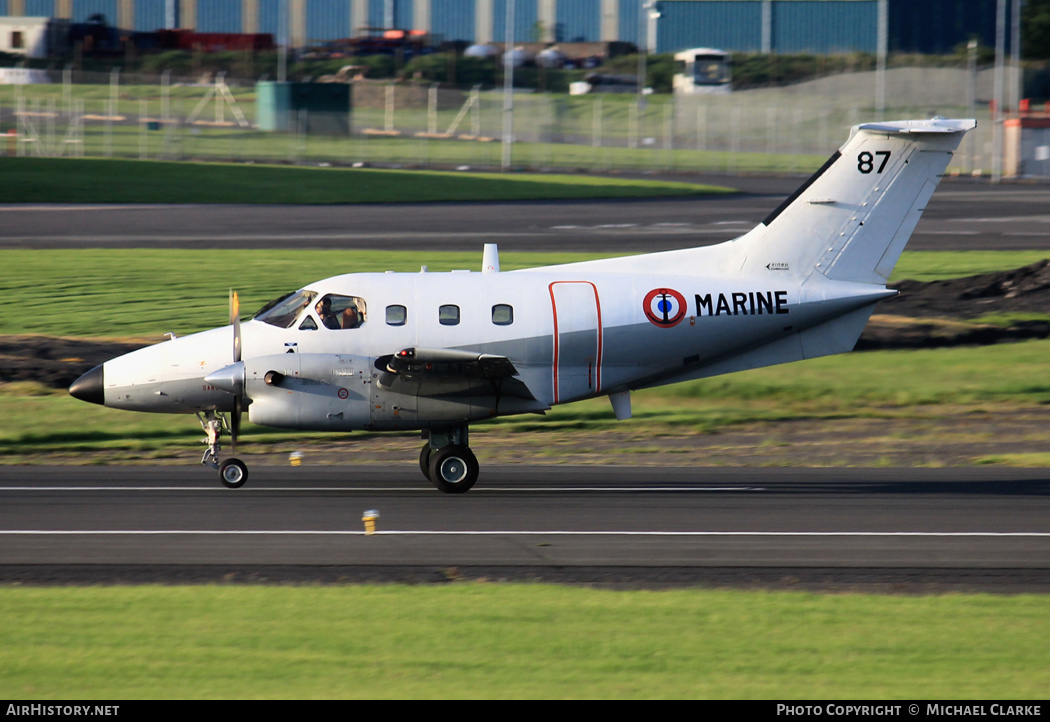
447 461
233 473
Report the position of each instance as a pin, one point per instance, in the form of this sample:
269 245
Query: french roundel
664 307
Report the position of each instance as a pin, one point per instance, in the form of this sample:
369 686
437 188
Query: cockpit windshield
283 311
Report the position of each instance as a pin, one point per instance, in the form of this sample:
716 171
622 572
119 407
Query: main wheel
453 469
233 473
424 460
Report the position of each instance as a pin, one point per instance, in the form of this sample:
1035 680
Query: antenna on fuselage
490 259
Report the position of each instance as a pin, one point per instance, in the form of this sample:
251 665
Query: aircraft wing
450 372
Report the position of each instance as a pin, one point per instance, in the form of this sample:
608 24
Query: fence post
669 134
114 91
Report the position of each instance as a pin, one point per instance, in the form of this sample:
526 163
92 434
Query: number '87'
866 161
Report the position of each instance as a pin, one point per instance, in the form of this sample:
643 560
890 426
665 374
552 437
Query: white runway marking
329 532
373 489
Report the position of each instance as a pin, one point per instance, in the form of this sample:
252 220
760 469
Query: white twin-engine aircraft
437 351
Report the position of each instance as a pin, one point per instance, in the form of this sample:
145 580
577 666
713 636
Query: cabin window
502 314
17 40
396 315
283 312
341 312
448 315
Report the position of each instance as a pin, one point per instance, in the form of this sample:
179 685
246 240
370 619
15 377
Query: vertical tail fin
852 219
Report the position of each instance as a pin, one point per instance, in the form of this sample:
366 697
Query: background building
782 26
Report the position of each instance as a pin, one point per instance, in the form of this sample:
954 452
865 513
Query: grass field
481 640
89 180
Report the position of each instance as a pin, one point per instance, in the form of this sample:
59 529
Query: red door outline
597 367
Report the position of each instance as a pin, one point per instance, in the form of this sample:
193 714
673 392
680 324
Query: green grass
937 265
477 640
57 180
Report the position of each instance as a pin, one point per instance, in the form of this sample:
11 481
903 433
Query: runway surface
962 215
901 529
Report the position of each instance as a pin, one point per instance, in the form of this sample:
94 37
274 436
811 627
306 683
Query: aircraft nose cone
89 387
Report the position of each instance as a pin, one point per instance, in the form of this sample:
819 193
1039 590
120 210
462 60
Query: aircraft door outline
577 360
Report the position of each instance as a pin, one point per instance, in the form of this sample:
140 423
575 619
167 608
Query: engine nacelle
322 392
342 392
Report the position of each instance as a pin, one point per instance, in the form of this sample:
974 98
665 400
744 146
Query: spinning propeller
238 396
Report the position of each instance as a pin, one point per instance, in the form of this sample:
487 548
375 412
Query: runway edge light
369 518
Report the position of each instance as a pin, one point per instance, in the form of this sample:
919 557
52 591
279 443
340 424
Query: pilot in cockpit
324 312
351 317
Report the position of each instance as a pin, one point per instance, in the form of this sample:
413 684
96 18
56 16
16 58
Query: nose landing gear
233 473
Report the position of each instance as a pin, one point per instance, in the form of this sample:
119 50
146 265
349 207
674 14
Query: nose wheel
233 473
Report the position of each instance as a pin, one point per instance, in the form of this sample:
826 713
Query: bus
703 70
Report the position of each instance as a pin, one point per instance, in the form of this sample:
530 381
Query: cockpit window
272 303
283 312
335 311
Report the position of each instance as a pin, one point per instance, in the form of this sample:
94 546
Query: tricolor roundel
664 307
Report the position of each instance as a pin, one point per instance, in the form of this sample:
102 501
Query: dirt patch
1023 290
53 361
937 314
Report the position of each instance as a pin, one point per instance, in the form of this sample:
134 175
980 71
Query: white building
31 37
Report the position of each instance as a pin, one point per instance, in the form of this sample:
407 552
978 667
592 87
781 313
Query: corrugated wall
453 19
40 8
328 19
577 21
813 26
149 15
402 13
628 20
938 26
825 26
722 24
525 17
269 17
219 16
83 9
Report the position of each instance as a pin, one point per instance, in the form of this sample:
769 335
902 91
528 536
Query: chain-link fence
782 130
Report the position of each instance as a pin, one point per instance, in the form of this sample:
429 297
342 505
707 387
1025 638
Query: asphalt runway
963 215
899 529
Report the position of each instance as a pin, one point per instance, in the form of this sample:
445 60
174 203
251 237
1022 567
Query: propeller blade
238 398
235 423
235 321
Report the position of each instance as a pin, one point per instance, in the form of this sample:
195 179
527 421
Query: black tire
233 473
453 469
424 460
